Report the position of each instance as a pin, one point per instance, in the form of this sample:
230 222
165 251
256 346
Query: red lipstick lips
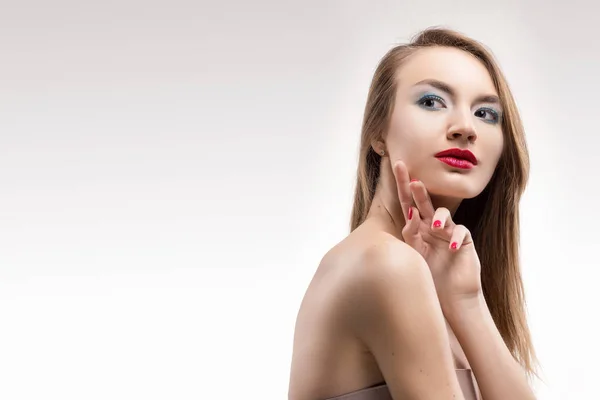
458 158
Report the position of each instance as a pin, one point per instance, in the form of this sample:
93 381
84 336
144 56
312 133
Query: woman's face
446 99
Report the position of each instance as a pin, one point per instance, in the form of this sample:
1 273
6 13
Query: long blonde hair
493 215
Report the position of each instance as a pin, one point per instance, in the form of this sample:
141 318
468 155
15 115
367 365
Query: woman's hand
448 248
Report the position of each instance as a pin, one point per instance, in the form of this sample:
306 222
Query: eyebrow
444 87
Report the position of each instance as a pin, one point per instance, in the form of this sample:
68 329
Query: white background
171 173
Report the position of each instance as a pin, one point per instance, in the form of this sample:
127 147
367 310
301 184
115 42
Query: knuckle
463 228
443 210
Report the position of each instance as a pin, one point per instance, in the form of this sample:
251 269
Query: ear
379 147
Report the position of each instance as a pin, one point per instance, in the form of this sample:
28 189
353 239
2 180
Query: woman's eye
430 102
487 112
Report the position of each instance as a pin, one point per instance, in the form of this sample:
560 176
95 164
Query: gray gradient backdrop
171 173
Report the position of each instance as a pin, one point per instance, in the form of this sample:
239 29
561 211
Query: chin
454 191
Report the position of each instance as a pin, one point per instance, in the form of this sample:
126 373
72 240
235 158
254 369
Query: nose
462 126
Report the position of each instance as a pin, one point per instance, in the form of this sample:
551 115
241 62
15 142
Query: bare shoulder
376 266
391 306
375 275
385 254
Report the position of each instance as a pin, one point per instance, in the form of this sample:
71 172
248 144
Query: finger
410 232
442 222
460 237
402 182
422 199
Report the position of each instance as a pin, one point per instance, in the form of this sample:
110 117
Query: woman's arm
499 376
392 307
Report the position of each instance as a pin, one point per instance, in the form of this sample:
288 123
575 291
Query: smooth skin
377 318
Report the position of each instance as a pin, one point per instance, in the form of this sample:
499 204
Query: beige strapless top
381 392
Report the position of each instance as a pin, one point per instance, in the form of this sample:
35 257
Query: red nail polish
437 224
454 245
410 213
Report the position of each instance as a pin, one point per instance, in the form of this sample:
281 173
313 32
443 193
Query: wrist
462 309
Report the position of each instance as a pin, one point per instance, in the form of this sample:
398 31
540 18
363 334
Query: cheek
411 129
491 152
494 146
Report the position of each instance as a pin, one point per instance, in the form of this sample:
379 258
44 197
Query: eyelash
438 98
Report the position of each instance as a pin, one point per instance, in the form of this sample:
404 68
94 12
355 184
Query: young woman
424 298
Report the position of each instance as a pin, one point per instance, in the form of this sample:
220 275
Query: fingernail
414 180
409 213
437 224
454 245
